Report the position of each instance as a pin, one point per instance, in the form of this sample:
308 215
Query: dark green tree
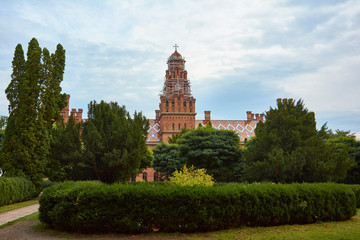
167 158
115 143
65 152
26 142
218 151
289 148
345 141
3 121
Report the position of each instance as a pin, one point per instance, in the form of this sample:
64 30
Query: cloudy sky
240 55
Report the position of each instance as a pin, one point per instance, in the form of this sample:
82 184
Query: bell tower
177 105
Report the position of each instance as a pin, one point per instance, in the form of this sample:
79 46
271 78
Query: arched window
167 103
173 126
184 125
179 126
173 103
184 103
145 176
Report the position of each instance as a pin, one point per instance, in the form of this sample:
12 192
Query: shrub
191 176
356 190
15 189
134 208
47 183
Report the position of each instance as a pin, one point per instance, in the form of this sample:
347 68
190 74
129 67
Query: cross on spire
176 46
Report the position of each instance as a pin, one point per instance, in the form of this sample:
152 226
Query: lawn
349 229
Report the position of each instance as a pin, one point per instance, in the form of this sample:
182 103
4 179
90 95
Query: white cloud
117 50
331 87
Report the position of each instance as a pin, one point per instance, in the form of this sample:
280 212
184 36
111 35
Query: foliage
173 139
167 159
115 143
3 121
191 176
130 208
34 103
344 141
288 148
15 189
65 151
218 151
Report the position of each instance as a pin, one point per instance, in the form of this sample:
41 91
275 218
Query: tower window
184 103
167 103
173 103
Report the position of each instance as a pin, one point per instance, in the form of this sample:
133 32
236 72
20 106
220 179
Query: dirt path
26 230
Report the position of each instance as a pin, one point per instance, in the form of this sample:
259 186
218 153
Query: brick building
65 112
177 108
177 111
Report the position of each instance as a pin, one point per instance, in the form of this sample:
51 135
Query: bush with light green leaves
191 176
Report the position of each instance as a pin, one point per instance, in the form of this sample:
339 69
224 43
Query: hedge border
15 189
128 208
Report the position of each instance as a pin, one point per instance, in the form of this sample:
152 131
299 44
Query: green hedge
15 189
128 208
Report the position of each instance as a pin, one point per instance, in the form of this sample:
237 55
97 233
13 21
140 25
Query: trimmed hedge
15 189
128 208
356 190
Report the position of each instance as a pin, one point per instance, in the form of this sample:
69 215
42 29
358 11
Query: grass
14 206
349 229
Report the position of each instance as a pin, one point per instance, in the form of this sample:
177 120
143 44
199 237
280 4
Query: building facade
177 111
177 108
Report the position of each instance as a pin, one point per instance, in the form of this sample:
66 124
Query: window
173 126
173 103
184 103
179 126
145 176
156 176
184 125
167 103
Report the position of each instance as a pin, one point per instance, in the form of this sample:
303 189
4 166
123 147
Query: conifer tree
115 143
34 102
288 148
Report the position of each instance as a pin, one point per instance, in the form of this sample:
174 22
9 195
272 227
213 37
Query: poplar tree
34 102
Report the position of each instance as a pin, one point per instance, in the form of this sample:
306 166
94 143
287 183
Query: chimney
80 112
248 115
207 115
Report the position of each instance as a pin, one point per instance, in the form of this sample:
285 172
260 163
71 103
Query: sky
240 55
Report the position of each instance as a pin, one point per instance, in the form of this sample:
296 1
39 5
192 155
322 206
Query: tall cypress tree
34 102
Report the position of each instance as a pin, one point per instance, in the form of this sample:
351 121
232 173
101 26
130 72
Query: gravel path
25 230
17 213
